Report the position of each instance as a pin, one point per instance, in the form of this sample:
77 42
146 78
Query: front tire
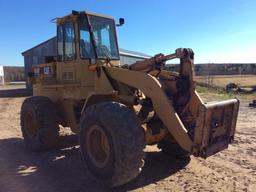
39 125
112 143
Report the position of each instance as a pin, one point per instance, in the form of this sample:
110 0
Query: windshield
104 35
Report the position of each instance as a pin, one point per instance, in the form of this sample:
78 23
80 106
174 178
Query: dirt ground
62 169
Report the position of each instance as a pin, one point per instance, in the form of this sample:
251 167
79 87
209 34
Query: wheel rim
97 146
30 126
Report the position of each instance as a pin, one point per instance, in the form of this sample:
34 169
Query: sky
219 31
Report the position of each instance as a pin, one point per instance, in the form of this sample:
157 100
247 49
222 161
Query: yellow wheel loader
118 110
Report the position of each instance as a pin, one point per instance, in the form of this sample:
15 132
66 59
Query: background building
12 74
46 52
1 75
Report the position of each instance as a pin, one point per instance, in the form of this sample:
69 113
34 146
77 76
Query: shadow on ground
62 169
14 93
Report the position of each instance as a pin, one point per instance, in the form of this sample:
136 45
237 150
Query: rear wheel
112 143
39 124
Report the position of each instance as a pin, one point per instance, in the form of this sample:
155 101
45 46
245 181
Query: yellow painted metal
77 84
215 126
162 105
72 17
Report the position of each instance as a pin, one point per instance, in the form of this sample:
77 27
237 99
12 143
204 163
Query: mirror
121 22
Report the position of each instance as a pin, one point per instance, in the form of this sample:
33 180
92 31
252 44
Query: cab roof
75 14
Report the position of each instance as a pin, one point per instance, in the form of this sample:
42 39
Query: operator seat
86 50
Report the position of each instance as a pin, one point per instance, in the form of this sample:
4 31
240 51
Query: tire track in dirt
61 169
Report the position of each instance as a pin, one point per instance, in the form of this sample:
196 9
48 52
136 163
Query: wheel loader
116 110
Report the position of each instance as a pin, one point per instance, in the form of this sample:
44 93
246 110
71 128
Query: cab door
66 48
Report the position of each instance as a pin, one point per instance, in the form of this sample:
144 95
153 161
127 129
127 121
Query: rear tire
39 123
112 143
172 149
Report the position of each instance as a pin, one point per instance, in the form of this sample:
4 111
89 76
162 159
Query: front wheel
112 143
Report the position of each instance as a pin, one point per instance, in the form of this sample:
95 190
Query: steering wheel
104 51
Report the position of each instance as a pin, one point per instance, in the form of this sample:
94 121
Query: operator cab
84 41
86 36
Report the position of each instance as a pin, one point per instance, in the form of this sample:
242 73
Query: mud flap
215 127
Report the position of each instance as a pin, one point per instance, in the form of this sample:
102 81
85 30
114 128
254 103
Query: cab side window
60 43
69 39
66 42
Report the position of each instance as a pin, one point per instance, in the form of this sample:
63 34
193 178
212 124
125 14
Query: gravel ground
62 169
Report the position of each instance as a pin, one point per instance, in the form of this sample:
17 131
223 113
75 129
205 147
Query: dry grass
210 94
223 80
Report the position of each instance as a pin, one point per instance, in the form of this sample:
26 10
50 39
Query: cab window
69 37
66 42
104 34
86 47
60 44
105 37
